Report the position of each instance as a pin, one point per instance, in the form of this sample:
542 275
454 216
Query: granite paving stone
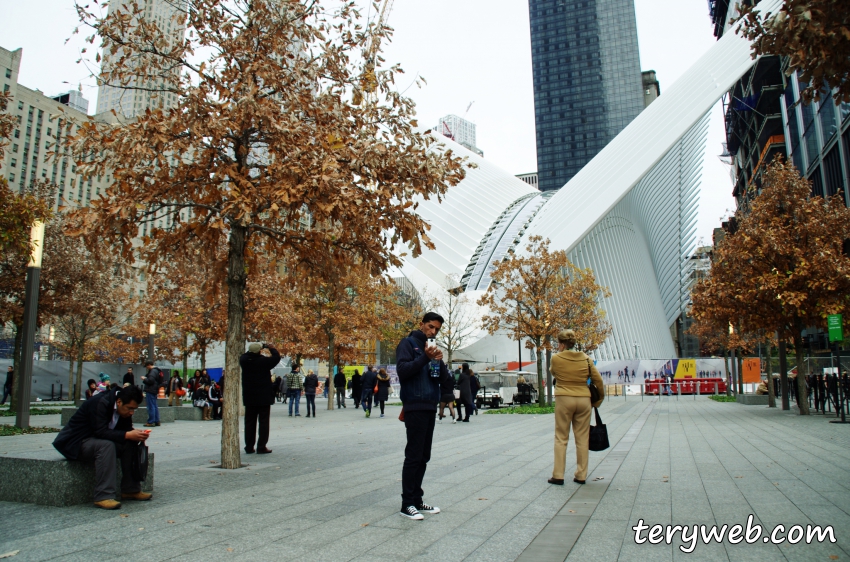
331 490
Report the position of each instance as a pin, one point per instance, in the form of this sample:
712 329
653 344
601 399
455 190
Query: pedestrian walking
573 372
325 387
447 397
339 388
294 384
383 389
421 370
258 394
356 388
465 388
284 388
311 382
474 387
152 381
174 389
7 386
370 379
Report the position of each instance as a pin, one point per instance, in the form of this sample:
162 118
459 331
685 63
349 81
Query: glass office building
587 81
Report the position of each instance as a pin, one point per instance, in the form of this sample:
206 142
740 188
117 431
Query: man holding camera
420 368
258 393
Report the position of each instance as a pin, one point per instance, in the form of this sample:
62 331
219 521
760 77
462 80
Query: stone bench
47 478
752 399
166 415
188 414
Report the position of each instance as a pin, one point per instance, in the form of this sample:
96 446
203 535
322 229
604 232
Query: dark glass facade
587 81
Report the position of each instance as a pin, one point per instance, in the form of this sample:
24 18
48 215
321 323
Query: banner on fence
636 371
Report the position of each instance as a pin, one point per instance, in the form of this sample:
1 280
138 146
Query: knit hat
104 377
255 347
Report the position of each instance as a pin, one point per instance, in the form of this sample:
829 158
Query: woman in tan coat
570 371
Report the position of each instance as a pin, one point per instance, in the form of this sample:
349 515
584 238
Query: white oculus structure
629 214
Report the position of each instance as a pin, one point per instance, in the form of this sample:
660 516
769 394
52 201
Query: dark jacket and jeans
339 388
88 437
151 382
420 394
370 378
311 383
257 395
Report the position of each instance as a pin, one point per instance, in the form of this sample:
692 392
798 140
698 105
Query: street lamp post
50 338
22 417
151 336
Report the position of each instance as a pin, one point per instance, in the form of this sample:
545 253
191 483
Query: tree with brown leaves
784 269
536 294
814 35
460 321
263 151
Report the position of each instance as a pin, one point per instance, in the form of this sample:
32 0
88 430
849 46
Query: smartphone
147 431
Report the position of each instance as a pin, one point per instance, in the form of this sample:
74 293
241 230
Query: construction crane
369 80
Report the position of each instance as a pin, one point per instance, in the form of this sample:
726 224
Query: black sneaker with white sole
411 513
425 508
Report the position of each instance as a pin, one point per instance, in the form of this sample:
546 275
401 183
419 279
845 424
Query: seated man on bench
102 431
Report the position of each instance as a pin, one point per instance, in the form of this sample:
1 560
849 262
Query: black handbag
139 466
598 434
594 392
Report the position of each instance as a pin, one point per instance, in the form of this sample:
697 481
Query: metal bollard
678 390
715 389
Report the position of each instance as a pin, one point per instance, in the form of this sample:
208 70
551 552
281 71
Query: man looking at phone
420 368
101 431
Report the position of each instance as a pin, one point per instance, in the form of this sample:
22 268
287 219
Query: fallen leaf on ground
141 528
14 552
831 556
170 521
571 510
124 515
364 524
229 550
482 499
599 478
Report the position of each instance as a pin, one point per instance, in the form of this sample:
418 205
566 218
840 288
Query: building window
17 133
14 148
20 106
11 177
14 163
5 88
8 73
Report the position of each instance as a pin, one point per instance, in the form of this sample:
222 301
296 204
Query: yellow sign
686 369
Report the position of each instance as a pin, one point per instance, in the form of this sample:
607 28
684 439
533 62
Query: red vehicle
685 386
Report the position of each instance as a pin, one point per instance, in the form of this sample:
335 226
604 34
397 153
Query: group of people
459 393
102 431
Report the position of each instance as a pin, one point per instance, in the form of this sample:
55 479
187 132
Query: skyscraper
167 14
459 130
587 81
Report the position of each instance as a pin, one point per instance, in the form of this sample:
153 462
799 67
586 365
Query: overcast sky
467 50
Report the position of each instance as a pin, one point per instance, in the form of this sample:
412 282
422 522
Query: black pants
252 415
381 402
105 455
311 404
340 396
216 409
419 425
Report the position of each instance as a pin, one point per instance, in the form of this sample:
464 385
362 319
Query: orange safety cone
161 392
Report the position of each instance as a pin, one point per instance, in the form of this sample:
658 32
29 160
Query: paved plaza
331 490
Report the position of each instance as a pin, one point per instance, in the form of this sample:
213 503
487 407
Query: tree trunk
70 376
234 346
541 395
771 394
81 347
16 366
740 371
330 371
185 354
728 373
802 394
549 390
783 376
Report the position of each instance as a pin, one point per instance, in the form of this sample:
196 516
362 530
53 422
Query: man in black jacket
152 381
339 388
420 393
368 382
101 431
258 394
129 378
7 386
